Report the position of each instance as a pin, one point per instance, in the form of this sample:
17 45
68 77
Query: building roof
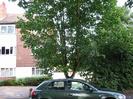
10 19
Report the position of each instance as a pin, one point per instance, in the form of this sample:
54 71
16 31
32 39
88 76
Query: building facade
15 60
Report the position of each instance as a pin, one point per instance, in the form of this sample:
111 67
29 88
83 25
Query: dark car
71 89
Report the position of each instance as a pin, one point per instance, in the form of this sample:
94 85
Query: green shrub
8 83
32 81
29 81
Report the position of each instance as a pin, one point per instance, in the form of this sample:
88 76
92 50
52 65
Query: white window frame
37 71
7 27
7 72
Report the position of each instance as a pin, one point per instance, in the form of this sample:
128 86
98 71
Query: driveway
19 92
11 92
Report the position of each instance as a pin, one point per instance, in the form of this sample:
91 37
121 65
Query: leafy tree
129 3
112 63
127 18
60 32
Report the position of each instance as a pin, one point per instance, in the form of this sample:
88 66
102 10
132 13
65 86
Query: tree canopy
129 3
60 32
112 63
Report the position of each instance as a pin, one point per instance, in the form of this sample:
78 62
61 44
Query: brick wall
24 57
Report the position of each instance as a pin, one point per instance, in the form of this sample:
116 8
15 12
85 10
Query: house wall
22 72
60 75
24 55
8 60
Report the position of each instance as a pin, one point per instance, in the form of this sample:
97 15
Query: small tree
59 32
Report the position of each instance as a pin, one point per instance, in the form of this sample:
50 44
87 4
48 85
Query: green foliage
129 3
112 64
59 32
29 81
8 83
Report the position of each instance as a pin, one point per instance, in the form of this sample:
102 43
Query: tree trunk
71 75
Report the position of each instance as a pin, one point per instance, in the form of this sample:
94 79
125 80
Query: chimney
3 10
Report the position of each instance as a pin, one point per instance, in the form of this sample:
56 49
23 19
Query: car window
57 85
77 86
42 85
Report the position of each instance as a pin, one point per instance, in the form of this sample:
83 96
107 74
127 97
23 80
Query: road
18 92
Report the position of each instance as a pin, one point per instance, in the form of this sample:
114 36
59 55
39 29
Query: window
77 86
33 71
37 71
57 85
7 29
6 51
11 50
7 72
3 29
10 29
3 50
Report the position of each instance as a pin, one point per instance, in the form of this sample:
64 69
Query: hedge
28 81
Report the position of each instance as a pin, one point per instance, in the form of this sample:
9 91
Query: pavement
14 92
19 92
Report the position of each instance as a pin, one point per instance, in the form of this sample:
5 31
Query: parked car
71 89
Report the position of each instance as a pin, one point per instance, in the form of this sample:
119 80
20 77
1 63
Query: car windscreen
42 85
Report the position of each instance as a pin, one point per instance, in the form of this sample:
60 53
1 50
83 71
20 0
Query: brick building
15 60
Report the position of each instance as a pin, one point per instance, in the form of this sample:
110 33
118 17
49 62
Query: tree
129 3
59 32
127 18
112 63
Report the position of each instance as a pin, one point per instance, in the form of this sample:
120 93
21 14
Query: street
17 92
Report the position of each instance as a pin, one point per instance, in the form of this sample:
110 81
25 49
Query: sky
121 2
12 7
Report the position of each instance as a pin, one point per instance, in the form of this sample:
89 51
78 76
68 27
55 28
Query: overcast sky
13 8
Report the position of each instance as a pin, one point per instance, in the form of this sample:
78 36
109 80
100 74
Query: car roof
66 80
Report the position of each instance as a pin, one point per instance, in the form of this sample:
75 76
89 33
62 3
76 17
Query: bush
8 83
29 81
32 81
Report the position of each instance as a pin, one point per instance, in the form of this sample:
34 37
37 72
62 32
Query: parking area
17 92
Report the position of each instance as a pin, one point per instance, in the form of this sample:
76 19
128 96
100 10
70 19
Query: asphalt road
17 92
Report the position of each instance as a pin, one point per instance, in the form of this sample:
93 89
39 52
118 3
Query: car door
79 90
55 90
